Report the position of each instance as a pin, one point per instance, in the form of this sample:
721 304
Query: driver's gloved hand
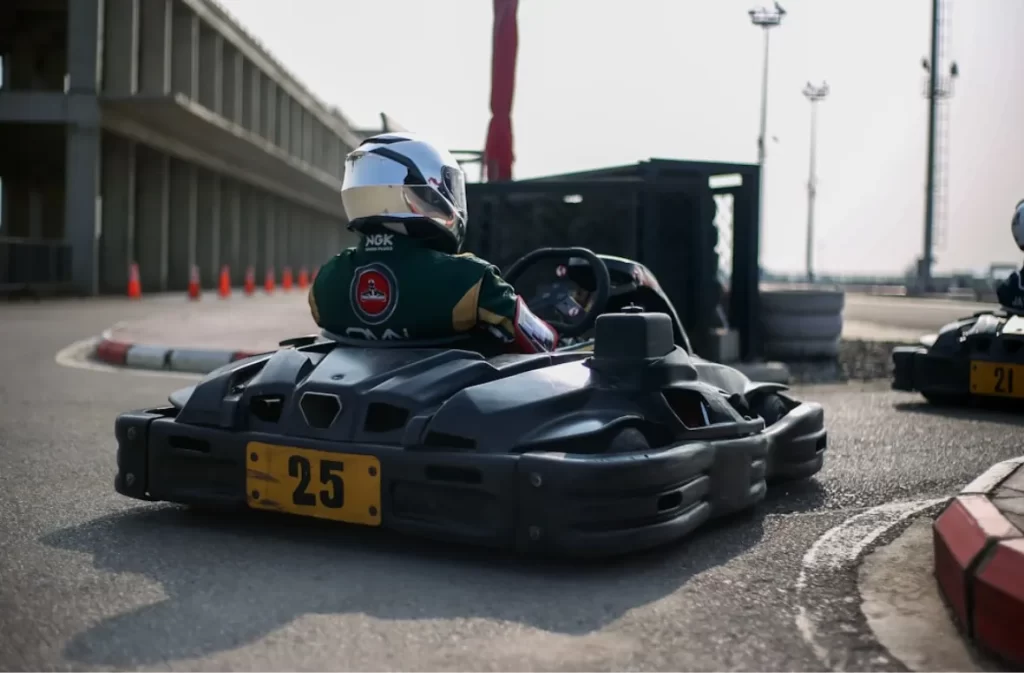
1011 291
505 315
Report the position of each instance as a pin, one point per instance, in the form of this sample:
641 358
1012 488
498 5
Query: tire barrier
802 324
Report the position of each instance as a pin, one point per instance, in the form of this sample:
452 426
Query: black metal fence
34 264
699 239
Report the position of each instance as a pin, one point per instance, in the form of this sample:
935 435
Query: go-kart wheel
627 440
599 300
945 399
770 407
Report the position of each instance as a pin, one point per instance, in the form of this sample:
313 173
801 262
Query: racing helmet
407 185
1017 224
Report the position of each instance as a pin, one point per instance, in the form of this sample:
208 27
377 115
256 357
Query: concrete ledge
979 560
146 356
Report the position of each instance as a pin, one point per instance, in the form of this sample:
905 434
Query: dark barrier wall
698 240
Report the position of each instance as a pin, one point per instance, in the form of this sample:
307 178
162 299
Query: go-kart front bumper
917 369
537 502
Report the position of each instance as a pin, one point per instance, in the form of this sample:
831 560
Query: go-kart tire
769 406
945 400
803 302
798 327
627 440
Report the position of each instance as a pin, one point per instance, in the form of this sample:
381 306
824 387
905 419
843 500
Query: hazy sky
603 83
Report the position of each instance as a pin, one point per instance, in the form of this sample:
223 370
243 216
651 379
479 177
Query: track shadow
794 497
232 578
995 411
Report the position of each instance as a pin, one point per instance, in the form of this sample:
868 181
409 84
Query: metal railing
34 264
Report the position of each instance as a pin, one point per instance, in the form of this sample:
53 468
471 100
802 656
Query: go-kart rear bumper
916 369
579 505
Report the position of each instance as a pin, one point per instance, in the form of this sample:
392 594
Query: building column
152 217
82 205
295 143
268 101
257 81
155 30
298 250
278 238
230 234
185 51
231 91
117 244
182 247
252 217
211 69
208 254
121 47
307 136
264 234
284 128
82 150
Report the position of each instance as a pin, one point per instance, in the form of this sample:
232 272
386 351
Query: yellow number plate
338 486
996 378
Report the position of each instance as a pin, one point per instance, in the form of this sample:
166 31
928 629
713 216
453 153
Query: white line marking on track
76 356
835 552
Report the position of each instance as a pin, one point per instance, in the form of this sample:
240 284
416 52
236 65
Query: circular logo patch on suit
374 293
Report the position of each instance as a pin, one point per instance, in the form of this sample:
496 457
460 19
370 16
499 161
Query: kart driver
405 279
1011 291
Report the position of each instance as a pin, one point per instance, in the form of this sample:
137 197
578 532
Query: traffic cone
194 290
303 278
224 290
250 280
268 284
286 279
134 285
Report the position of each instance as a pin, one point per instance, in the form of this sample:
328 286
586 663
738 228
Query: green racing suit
392 287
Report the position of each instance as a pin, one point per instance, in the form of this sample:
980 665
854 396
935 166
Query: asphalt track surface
91 580
923 315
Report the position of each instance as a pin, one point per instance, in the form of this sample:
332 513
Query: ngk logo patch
380 242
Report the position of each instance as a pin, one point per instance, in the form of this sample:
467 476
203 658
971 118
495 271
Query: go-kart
980 357
610 444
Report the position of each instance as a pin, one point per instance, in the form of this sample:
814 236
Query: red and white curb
164 358
979 561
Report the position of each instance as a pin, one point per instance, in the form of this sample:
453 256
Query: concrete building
157 132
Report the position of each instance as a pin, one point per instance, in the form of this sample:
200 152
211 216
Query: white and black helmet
1017 224
409 186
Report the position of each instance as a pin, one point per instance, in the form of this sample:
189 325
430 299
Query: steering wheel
559 293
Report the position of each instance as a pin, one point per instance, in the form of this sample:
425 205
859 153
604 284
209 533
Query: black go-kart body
980 357
608 446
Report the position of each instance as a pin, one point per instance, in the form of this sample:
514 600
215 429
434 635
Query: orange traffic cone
224 290
303 278
286 279
194 290
268 284
134 285
250 280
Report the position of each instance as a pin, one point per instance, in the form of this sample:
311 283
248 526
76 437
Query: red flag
498 153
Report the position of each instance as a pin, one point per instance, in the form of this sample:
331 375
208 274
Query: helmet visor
377 186
367 169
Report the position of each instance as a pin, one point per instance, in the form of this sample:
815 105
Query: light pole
815 94
766 19
937 88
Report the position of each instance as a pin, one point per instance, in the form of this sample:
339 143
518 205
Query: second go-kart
618 443
974 358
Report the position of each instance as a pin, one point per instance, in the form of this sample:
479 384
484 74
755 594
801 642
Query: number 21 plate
322 484
996 378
